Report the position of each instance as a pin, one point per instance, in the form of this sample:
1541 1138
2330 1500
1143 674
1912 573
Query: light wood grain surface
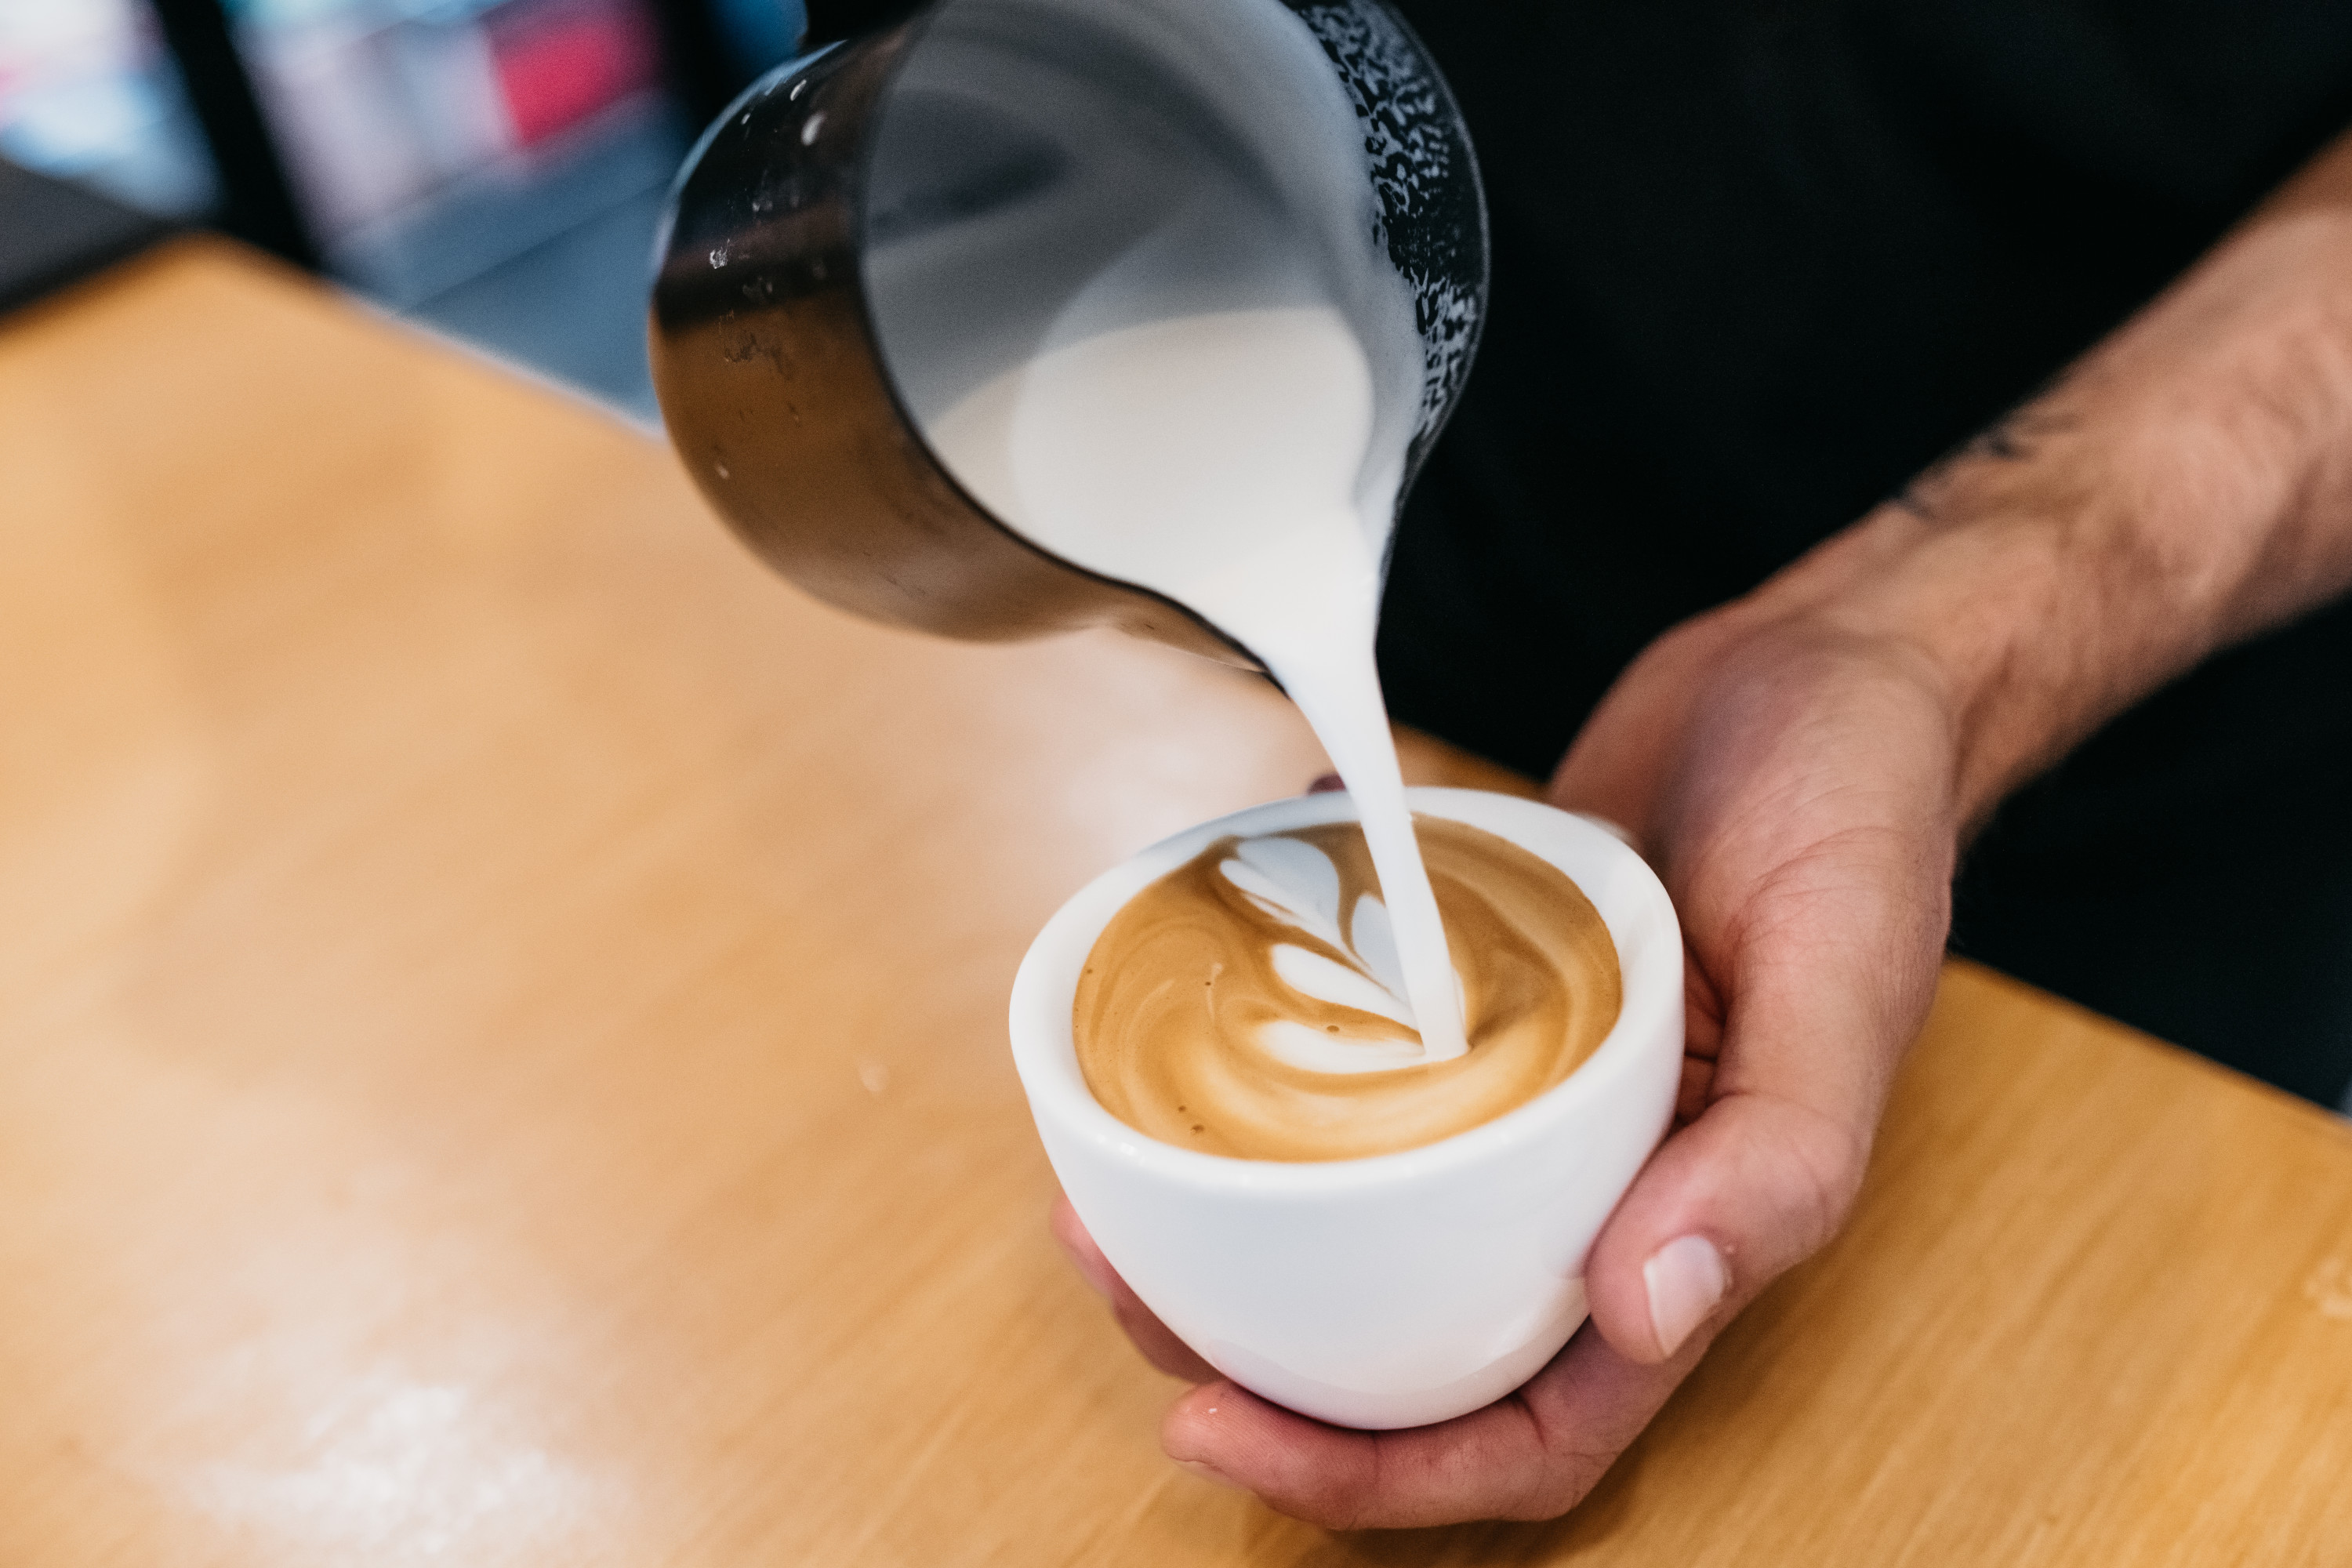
502 1060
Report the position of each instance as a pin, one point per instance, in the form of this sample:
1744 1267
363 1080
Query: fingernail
1687 1281
1211 1474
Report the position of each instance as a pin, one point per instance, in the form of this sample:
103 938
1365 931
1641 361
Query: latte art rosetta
1250 1003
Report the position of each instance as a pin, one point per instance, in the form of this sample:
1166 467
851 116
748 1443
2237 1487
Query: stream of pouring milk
1219 460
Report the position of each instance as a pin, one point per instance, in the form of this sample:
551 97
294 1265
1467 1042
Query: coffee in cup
1250 1004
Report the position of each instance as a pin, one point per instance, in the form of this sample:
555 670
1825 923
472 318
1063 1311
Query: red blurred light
560 65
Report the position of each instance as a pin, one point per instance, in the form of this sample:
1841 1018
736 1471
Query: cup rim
1637 911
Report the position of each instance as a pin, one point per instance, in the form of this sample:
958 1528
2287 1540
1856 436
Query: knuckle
1351 1502
1561 1485
1570 1462
1359 1497
1824 1161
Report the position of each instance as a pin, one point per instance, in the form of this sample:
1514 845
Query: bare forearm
2187 485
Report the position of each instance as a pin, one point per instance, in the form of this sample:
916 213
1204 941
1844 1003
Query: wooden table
502 1060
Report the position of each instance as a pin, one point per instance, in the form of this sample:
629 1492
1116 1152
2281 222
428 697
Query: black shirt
1755 265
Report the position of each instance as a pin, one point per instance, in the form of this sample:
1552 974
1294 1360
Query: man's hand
1800 765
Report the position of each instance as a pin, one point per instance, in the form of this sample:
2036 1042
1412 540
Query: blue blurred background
490 168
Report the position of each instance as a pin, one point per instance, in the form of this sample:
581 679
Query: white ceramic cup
1402 1288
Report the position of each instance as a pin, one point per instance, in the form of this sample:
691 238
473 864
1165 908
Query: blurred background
492 169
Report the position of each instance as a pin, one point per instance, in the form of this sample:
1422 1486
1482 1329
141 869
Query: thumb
1753 1186
1828 978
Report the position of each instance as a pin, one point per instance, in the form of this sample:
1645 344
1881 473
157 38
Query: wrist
2167 498
1998 620
2026 616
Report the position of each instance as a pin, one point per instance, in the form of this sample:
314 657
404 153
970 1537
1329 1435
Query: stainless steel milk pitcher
876 229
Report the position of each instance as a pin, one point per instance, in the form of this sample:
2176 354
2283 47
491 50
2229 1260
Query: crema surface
1248 1004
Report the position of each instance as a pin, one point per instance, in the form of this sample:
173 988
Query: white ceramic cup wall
1403 1289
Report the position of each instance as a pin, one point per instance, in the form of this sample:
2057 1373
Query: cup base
1385 1404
